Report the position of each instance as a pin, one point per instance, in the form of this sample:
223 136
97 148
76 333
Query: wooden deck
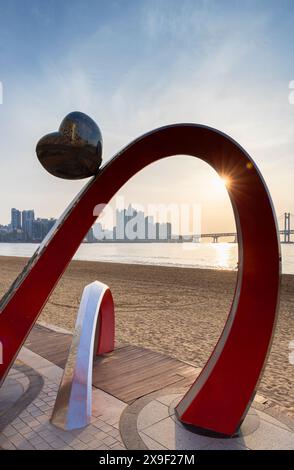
128 373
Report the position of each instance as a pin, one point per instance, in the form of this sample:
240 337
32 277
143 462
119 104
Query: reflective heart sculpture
75 151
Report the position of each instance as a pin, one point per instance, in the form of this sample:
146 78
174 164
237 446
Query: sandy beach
177 311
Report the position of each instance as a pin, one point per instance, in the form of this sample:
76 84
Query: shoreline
25 260
177 311
211 256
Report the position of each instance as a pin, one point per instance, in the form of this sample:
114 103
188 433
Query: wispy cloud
165 62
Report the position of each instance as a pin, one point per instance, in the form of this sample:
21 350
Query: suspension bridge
285 232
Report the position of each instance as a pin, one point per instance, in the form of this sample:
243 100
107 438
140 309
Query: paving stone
3 439
101 435
151 443
45 407
16 439
44 432
76 432
19 426
151 413
172 436
80 446
31 408
106 427
17 420
26 430
57 443
117 447
47 399
51 402
42 419
168 399
114 433
50 438
42 446
37 413
97 423
8 446
36 440
30 435
103 447
230 444
33 423
38 402
9 431
67 438
268 437
94 443
114 422
59 432
115 425
109 440
32 428
91 429
38 428
86 438
25 445
266 417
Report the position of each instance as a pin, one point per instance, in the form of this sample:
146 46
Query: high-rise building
40 228
150 228
90 236
129 214
169 231
37 230
119 232
27 224
98 231
101 233
134 224
163 231
15 219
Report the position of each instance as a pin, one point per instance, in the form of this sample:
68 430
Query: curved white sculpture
94 334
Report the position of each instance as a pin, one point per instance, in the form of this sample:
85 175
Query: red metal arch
219 398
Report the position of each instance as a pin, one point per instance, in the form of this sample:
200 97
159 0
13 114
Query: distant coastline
219 256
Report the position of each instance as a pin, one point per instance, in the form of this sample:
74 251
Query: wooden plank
128 373
49 344
120 368
139 373
146 388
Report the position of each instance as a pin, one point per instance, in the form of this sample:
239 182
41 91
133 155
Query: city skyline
136 67
131 225
24 227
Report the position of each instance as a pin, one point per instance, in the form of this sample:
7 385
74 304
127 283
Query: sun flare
221 182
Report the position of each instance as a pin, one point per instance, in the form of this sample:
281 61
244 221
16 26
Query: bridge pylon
287 227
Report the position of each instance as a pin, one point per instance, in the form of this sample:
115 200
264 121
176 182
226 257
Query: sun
221 182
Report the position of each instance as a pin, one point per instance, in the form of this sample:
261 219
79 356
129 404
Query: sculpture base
151 423
249 425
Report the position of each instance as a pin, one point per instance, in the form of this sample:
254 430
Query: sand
177 311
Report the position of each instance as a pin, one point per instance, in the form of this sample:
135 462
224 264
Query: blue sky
137 65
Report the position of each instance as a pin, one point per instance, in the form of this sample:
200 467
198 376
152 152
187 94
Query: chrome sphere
75 151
